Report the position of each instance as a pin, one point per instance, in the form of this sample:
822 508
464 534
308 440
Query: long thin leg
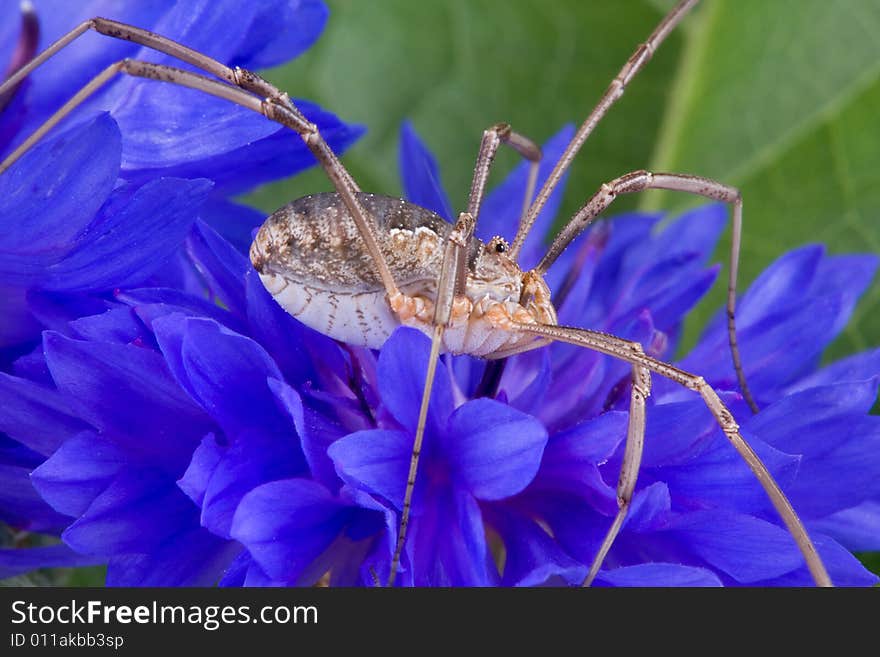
24 50
615 90
236 76
638 181
278 108
632 461
632 353
450 289
498 134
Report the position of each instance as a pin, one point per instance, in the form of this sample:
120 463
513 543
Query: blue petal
316 431
746 548
650 508
82 468
494 450
124 245
127 392
719 476
221 265
152 303
280 32
402 366
287 524
118 324
858 528
43 213
779 284
55 310
60 77
250 460
234 222
676 433
858 367
205 459
532 556
658 574
35 415
17 562
420 175
134 514
21 506
224 371
571 459
447 543
375 461
18 325
843 568
236 148
192 558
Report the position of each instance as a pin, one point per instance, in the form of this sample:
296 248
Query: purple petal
44 212
134 514
659 574
402 366
20 561
375 461
205 459
127 392
857 528
532 556
221 265
494 449
279 33
224 372
746 548
35 415
447 543
124 245
287 524
192 558
22 507
420 175
251 459
82 468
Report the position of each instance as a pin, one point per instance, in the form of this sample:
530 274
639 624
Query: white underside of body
366 319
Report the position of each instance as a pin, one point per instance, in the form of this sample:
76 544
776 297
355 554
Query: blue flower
88 210
193 437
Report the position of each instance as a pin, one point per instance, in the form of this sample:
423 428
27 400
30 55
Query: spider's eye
499 245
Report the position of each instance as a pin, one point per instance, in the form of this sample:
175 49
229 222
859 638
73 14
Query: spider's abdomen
311 258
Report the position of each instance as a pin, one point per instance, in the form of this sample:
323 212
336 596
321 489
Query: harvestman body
355 266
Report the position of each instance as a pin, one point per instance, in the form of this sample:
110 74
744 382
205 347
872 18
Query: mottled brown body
312 261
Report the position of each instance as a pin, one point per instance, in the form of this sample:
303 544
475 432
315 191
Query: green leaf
781 99
778 98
